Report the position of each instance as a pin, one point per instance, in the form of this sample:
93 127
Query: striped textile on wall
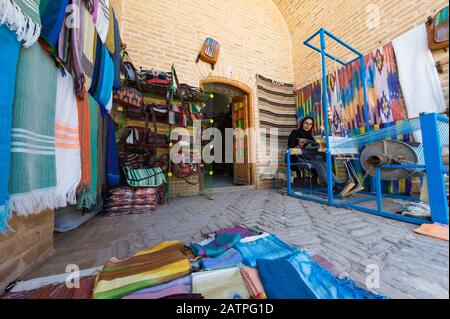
277 107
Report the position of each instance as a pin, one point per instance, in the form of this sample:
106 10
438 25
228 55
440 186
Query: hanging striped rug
276 102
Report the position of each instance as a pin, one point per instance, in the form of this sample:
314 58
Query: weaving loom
384 158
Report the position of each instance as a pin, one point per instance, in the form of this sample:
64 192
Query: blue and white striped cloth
268 247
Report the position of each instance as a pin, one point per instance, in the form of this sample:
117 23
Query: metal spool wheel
388 152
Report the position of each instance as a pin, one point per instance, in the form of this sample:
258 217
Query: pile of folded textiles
126 200
236 263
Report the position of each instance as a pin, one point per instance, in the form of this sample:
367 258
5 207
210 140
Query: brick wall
252 33
30 243
356 22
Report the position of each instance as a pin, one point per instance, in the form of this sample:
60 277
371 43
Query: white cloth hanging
102 19
418 75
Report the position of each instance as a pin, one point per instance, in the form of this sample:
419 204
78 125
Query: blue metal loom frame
433 152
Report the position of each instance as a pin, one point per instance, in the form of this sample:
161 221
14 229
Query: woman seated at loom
302 138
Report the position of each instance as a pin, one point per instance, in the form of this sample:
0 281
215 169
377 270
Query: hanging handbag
129 74
438 30
177 115
144 177
209 52
128 97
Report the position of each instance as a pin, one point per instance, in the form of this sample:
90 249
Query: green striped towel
144 177
32 182
30 8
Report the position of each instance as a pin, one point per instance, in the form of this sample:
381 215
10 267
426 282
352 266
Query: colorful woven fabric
220 284
323 284
177 115
103 79
253 283
88 48
22 17
276 103
52 14
145 177
102 19
117 54
77 42
281 280
84 118
30 8
268 247
178 286
9 57
87 197
127 200
112 155
230 258
32 182
56 292
110 38
218 246
243 231
345 94
159 265
67 141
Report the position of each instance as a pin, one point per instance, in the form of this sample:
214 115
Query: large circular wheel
388 152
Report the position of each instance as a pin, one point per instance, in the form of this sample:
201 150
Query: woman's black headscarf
304 134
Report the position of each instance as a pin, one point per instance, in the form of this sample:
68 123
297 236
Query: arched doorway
240 99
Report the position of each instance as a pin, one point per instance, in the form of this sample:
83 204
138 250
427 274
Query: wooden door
241 167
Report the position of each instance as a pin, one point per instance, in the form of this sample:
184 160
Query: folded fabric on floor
436 230
325 263
220 284
22 17
32 182
56 291
52 14
243 231
185 297
253 283
126 200
218 246
230 258
281 280
102 19
418 75
323 283
112 155
175 290
67 141
9 57
268 247
176 287
161 264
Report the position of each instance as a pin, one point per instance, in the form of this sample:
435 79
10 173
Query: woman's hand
302 143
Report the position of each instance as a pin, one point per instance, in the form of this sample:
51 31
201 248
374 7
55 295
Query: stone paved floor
411 266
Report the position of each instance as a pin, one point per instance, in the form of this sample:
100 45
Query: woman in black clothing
301 138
